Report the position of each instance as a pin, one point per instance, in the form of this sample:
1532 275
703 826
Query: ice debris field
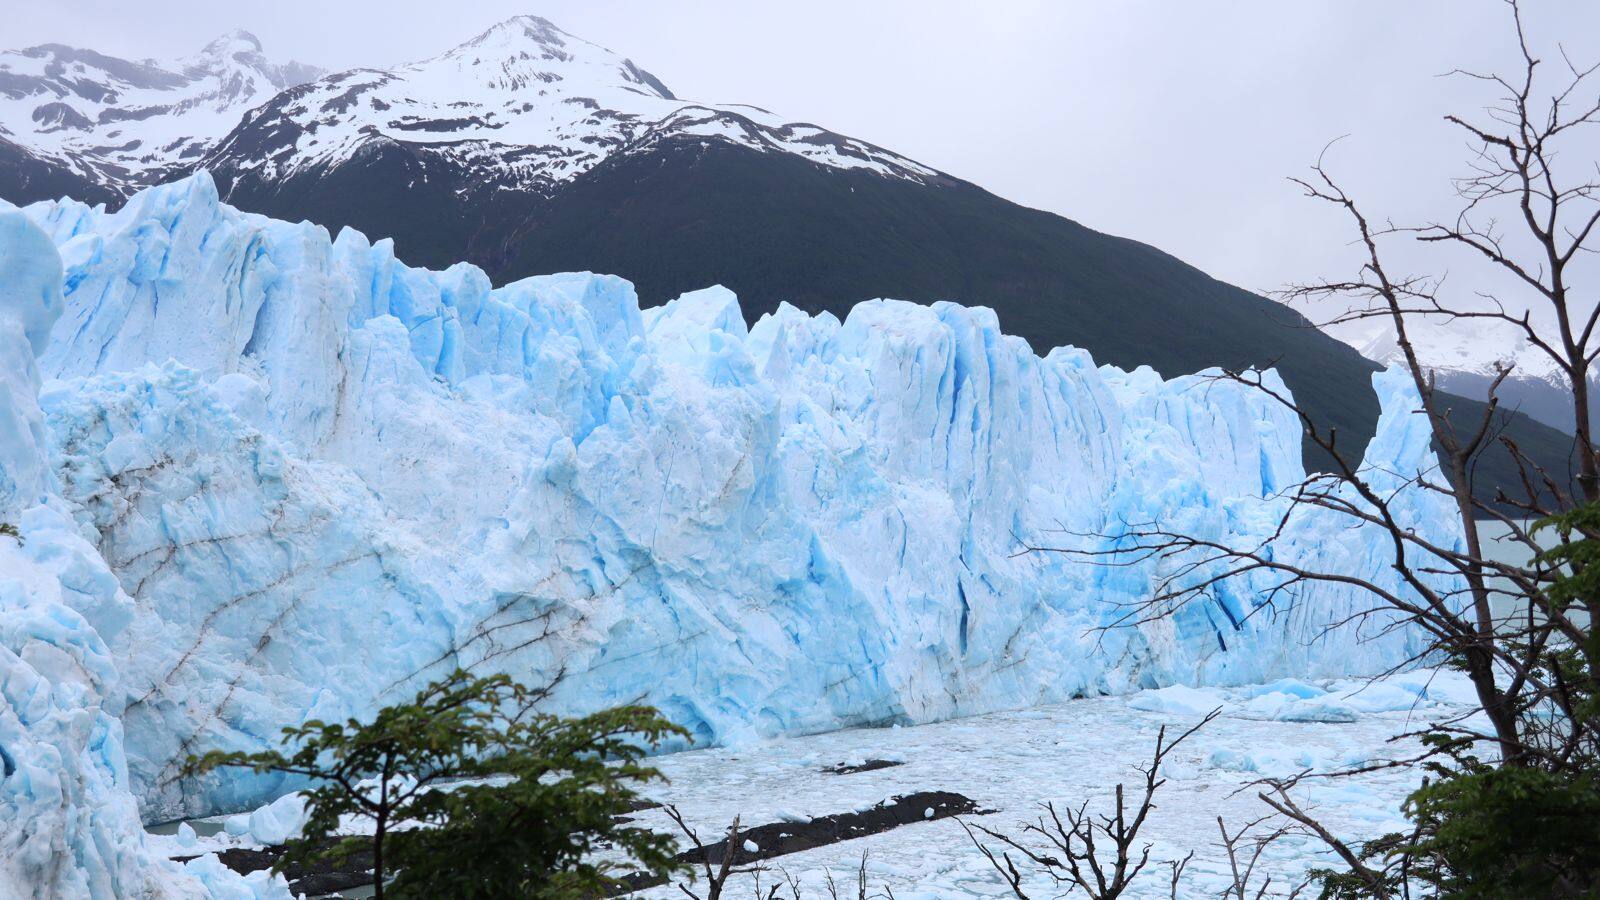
1012 762
260 474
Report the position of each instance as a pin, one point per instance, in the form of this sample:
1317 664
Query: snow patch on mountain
1467 356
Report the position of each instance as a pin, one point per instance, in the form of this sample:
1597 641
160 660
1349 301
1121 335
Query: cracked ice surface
321 477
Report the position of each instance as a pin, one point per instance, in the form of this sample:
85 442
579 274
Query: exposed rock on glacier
321 476
69 824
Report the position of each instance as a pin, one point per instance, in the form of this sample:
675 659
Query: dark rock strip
777 839
784 838
320 878
871 765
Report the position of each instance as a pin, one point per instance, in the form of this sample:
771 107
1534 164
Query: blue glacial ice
309 477
69 822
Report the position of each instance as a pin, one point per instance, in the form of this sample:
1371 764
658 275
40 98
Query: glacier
69 821
263 474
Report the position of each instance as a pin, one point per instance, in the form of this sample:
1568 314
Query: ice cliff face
319 477
69 824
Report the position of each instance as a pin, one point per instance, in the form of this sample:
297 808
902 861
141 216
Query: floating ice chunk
1293 701
279 821
1177 769
1292 687
1380 696
1320 709
1269 705
1274 762
237 825
221 883
1439 686
1179 700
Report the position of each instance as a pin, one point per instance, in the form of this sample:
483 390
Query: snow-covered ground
1012 762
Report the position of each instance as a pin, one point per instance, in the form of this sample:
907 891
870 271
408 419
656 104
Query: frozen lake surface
1010 763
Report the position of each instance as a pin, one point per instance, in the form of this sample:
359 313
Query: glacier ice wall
69 823
320 476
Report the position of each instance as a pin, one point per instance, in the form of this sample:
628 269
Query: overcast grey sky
1171 122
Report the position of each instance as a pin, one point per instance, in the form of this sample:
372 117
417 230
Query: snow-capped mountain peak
1478 348
523 106
1466 357
525 52
237 41
245 76
123 121
515 32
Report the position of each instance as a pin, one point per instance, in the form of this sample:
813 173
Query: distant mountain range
97 127
1466 356
528 150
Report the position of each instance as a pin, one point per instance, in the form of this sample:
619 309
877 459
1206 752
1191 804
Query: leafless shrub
1073 833
716 871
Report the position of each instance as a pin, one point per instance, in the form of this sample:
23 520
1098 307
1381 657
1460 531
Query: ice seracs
30 301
